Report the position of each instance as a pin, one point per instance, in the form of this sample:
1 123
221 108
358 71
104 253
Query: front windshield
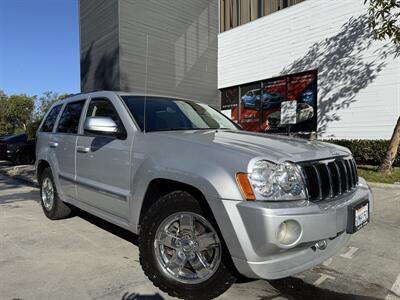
163 114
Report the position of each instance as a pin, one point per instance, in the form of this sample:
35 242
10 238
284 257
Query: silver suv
208 200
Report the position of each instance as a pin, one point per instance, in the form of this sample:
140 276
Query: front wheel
181 251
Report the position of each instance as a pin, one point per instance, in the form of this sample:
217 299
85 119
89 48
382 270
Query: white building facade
356 79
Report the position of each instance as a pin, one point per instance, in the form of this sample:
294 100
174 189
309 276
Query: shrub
367 152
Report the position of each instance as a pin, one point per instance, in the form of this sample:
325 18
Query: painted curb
384 185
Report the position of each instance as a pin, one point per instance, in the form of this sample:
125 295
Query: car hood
272 147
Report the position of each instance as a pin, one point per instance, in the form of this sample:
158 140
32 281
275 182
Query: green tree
3 124
384 20
45 102
18 110
42 105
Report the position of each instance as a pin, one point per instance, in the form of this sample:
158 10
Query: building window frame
237 14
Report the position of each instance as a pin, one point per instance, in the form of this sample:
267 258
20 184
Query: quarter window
69 121
51 118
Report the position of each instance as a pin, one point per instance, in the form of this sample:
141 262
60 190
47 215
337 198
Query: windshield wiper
173 129
180 128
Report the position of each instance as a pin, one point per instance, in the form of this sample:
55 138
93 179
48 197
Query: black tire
166 206
24 158
59 210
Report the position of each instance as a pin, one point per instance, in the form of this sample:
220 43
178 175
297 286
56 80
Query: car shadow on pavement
297 289
6 182
9 195
18 197
111 228
123 234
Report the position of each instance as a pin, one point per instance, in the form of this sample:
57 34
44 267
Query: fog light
288 232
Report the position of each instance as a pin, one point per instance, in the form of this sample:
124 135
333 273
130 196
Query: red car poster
259 106
250 107
230 101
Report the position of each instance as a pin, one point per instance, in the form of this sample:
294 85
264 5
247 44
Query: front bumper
255 225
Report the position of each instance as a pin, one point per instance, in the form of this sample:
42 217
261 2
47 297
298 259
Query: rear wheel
181 251
52 205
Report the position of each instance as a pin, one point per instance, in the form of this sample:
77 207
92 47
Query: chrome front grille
329 178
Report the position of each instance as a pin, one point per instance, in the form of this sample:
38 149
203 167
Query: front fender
211 179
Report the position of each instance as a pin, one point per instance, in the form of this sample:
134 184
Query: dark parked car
22 153
5 140
2 137
17 149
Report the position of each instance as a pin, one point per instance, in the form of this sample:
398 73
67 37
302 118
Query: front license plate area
358 216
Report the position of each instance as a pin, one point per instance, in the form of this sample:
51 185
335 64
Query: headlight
276 181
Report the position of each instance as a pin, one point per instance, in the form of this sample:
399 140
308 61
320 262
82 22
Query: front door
103 164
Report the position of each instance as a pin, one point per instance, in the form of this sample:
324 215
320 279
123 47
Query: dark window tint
69 121
16 138
101 107
48 124
174 114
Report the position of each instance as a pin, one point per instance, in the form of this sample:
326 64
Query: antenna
145 84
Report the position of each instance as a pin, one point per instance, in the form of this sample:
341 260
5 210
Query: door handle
82 149
53 144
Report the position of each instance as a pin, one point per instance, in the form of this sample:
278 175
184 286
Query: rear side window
69 121
48 124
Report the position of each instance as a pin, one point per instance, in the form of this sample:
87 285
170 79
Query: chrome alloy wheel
187 248
47 193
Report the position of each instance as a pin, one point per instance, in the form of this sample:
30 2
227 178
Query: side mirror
101 125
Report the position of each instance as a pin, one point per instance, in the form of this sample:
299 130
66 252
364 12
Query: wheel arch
41 166
159 187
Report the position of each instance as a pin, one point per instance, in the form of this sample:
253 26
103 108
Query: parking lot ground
86 258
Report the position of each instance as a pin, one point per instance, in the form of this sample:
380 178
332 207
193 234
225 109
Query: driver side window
102 107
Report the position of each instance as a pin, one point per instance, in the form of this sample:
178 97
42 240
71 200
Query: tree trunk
386 166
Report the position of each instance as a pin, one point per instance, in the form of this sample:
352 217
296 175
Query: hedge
367 152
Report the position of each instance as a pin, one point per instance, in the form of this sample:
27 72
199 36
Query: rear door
104 162
63 143
45 133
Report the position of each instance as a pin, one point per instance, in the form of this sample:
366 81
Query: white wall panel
358 77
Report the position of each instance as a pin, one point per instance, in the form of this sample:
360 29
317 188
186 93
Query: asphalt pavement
84 257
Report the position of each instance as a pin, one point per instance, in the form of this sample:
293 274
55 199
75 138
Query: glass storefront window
228 14
249 10
258 106
238 12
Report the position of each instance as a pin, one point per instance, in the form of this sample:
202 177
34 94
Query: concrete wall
182 47
99 45
358 78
